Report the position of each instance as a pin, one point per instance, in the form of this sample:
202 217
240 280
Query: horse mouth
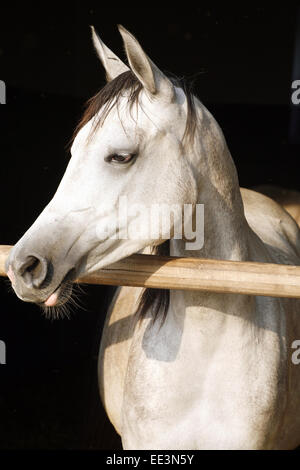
55 305
60 296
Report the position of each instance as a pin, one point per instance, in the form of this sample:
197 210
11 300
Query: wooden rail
222 276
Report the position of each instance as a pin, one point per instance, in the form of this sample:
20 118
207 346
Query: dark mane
155 301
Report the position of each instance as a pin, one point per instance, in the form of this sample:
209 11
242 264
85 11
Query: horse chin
56 306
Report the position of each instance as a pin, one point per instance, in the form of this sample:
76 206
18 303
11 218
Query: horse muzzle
34 277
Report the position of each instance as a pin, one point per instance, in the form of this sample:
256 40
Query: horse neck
225 226
226 231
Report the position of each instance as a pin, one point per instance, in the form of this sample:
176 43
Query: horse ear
112 64
153 80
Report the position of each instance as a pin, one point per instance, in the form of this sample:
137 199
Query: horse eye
125 158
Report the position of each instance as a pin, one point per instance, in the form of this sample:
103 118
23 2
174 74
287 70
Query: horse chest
189 394
185 384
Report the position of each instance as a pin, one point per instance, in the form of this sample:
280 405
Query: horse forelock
109 96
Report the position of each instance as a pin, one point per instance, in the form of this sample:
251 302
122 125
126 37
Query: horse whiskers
56 313
77 291
68 298
77 288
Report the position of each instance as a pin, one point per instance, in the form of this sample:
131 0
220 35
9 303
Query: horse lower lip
52 300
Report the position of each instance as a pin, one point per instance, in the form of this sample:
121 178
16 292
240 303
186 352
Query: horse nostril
33 271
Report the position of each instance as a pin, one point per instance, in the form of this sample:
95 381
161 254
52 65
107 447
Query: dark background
242 61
